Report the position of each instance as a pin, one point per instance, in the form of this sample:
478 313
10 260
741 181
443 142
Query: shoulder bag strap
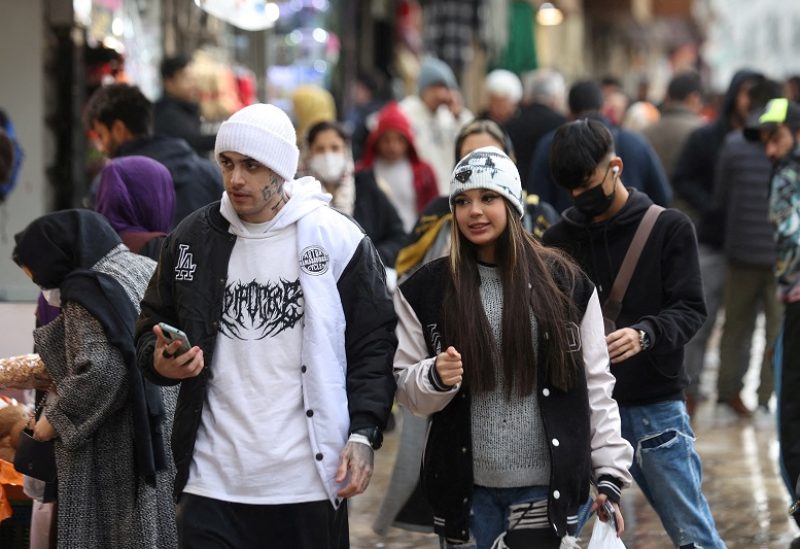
613 305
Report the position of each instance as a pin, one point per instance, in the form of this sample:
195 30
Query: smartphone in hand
608 508
171 333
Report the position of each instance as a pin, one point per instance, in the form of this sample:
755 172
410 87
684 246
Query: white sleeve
611 454
412 365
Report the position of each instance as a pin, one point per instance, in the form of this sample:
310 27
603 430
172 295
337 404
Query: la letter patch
184 270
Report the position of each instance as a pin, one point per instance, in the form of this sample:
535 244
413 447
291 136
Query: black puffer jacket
742 190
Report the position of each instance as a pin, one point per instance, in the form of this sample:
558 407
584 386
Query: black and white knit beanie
488 168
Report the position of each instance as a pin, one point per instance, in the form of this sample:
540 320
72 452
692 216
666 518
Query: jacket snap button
318 457
466 500
556 494
555 442
546 392
464 450
310 413
303 369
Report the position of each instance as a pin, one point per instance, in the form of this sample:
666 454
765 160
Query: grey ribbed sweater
508 439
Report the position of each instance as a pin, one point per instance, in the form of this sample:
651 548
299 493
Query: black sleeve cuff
436 381
611 487
649 328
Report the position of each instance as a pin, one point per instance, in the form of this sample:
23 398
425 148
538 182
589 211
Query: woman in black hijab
110 426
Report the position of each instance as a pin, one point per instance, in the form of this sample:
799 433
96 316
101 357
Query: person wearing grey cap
289 385
436 114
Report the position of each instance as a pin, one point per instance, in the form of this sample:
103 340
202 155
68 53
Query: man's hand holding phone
171 358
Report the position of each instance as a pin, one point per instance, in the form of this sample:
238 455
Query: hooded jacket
197 181
664 298
348 336
391 118
693 178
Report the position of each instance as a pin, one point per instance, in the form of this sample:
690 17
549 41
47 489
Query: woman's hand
449 367
602 515
43 430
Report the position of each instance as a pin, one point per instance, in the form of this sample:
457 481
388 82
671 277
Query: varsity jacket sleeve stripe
370 341
412 365
611 454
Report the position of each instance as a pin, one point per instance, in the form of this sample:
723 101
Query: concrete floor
740 479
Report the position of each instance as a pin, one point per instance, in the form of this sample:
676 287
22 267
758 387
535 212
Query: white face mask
329 166
52 296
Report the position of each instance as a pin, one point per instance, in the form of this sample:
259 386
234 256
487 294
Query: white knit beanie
488 168
264 133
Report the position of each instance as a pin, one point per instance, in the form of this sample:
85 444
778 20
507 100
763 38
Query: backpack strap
613 305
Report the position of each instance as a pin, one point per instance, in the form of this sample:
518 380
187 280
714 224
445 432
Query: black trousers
205 523
789 428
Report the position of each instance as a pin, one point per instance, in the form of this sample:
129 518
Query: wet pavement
740 480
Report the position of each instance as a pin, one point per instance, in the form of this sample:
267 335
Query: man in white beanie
436 115
284 395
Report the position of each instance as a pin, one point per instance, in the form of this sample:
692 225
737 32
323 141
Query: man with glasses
656 315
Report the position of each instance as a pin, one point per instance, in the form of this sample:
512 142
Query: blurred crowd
405 169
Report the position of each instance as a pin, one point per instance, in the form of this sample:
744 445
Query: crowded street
466 274
741 478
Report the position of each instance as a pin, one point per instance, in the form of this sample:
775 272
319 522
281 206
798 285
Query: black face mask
594 202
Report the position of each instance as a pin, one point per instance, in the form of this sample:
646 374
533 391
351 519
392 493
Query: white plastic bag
604 537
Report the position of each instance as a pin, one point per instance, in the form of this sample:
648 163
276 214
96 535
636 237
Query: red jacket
392 118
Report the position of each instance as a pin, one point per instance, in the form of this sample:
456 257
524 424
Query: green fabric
519 55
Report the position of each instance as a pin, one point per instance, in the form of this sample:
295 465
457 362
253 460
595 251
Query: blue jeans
491 511
667 469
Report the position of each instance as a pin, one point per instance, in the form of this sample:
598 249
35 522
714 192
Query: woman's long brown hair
529 285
